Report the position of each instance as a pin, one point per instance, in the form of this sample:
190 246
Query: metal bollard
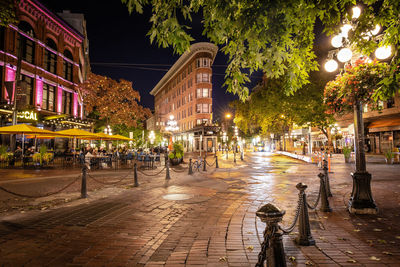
190 166
304 238
241 156
324 196
216 162
327 184
167 177
83 186
234 156
272 247
136 183
204 164
227 152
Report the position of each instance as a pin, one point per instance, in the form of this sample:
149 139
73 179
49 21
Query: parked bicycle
197 164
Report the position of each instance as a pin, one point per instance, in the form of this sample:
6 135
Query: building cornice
180 63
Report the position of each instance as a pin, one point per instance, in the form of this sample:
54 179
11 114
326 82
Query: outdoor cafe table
95 160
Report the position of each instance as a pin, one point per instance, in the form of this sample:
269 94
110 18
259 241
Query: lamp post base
361 201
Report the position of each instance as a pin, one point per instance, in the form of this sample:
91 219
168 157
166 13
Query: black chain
264 247
151 174
39 196
296 216
313 207
179 171
210 165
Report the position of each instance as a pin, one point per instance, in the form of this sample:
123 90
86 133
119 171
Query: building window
28 45
202 92
67 66
205 108
67 101
390 103
48 102
190 68
203 78
190 83
50 59
26 90
203 63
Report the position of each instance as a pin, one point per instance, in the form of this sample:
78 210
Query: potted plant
176 155
346 152
389 156
3 153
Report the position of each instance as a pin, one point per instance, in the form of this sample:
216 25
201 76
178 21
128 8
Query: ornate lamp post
152 137
361 200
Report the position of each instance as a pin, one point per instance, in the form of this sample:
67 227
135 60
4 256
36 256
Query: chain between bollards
135 177
190 166
327 184
167 177
83 185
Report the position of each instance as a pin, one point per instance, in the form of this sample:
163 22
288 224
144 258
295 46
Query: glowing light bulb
356 12
337 41
331 65
383 52
345 30
376 30
344 54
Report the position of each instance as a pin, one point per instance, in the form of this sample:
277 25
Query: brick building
185 92
54 60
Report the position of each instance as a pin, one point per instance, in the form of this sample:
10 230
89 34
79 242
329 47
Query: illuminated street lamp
108 130
172 125
152 136
228 115
361 200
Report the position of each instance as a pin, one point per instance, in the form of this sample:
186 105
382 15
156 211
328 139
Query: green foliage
270 110
389 155
3 149
361 82
346 151
8 13
42 150
177 151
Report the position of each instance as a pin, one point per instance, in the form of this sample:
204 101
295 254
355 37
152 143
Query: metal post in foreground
327 184
167 177
241 156
272 246
324 196
304 238
190 166
234 155
216 162
136 183
204 164
227 152
83 186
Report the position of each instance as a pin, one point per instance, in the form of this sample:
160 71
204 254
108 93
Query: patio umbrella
78 134
123 138
26 129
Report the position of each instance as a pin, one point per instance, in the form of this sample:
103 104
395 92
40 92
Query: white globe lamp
337 41
383 52
331 65
344 54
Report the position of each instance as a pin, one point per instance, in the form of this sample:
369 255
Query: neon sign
27 115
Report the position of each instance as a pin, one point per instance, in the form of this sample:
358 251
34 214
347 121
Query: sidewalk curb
296 156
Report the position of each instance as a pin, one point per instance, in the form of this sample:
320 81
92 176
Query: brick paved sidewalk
208 219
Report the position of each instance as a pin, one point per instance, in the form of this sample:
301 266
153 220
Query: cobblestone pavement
207 219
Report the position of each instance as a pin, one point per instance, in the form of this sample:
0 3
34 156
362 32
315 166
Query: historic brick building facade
53 62
185 92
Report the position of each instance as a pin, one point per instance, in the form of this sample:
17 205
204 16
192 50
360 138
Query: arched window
67 65
50 58
28 45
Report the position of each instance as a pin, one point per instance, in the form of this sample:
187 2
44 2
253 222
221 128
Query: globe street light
152 136
361 200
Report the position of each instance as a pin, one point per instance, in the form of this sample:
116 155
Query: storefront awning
384 125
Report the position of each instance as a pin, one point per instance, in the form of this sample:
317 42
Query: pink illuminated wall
59 99
75 107
39 93
10 76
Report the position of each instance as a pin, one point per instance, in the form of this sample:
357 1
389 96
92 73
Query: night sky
117 37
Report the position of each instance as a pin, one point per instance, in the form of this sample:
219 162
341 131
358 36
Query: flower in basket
361 82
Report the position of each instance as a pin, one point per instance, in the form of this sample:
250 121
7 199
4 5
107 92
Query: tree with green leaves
8 12
276 37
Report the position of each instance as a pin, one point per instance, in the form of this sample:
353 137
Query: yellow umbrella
26 129
104 136
121 137
77 133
